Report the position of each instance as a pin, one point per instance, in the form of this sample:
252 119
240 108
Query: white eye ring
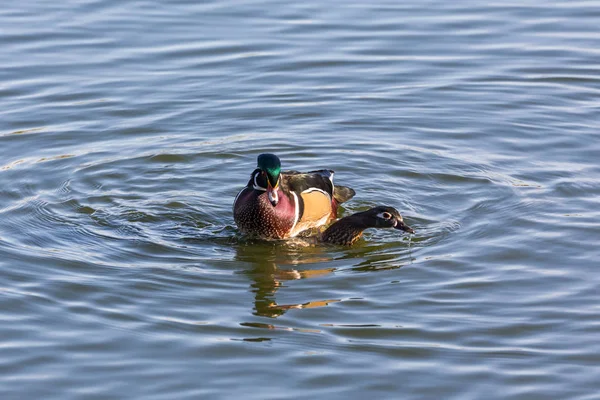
386 215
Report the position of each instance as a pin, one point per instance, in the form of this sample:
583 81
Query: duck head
385 217
349 229
270 167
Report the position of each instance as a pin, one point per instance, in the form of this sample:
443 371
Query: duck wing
299 182
320 179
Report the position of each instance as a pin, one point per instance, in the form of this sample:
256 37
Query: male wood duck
349 229
280 204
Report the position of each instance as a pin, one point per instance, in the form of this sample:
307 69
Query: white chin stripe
273 196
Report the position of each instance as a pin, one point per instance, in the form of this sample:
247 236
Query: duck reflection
273 263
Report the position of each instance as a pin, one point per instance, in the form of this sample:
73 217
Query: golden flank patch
317 205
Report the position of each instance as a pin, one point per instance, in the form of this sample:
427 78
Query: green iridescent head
271 165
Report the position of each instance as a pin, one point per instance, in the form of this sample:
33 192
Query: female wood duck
349 229
280 204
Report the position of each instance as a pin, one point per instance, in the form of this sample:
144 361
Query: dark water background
127 128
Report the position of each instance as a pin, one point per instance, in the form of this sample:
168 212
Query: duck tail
342 194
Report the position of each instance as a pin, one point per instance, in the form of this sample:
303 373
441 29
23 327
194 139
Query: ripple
128 128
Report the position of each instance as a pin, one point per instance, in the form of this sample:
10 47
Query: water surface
127 128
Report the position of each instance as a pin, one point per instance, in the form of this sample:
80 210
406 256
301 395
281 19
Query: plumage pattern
254 214
278 205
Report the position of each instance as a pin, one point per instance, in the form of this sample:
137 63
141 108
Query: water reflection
273 263
381 263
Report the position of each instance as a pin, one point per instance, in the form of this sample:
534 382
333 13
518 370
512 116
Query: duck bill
272 193
403 227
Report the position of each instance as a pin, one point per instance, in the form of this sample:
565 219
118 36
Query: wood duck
349 229
279 204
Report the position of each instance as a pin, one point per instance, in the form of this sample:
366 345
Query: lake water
128 127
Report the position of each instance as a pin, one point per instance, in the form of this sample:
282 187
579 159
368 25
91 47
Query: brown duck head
349 229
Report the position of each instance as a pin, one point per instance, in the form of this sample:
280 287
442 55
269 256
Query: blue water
127 129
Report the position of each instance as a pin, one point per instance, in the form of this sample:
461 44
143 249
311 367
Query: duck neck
345 231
